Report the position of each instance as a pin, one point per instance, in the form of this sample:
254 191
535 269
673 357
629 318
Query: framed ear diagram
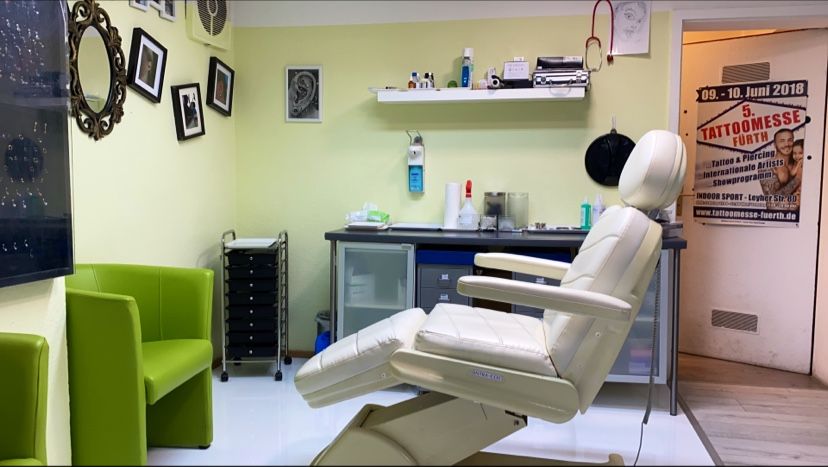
303 93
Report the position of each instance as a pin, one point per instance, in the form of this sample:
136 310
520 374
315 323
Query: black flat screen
35 206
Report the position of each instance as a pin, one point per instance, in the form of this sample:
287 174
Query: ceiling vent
208 21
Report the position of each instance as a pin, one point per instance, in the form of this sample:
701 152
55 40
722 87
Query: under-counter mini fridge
374 281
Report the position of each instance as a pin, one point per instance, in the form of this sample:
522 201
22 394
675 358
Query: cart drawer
246 258
251 338
252 285
251 298
247 272
251 325
240 351
252 312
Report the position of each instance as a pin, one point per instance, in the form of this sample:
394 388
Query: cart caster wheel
224 377
278 376
288 360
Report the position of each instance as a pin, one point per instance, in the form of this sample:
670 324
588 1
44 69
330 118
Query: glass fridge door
374 281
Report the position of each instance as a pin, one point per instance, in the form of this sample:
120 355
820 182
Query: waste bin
323 331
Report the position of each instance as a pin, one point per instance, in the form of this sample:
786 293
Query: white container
597 208
469 218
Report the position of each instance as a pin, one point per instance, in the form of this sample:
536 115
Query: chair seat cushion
168 364
489 337
360 352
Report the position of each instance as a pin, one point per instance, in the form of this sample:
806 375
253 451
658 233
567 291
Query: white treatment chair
485 370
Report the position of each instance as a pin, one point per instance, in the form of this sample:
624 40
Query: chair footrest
358 363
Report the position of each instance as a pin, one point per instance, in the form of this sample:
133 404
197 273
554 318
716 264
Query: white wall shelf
446 95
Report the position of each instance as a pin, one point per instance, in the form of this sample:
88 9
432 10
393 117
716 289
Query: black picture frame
221 80
188 123
153 59
303 93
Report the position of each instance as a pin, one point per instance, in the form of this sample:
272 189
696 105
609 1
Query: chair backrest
173 302
617 258
24 365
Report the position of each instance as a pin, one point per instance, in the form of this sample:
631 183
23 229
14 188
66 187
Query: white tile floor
258 421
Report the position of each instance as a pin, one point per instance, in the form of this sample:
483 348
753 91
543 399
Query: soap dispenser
416 161
469 218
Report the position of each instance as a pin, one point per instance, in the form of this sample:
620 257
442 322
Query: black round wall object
606 156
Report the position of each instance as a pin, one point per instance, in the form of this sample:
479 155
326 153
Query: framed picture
221 80
189 117
147 61
169 11
157 4
303 93
140 4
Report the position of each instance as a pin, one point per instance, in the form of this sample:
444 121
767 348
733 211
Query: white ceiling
258 13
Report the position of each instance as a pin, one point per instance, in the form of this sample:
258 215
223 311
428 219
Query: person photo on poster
787 175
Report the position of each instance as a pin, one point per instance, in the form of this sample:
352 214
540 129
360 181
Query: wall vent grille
733 320
746 73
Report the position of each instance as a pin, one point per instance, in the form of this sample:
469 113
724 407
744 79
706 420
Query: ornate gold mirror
97 70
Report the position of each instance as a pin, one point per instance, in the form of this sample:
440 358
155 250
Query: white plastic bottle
597 208
469 218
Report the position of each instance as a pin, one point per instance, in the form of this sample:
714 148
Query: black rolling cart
254 301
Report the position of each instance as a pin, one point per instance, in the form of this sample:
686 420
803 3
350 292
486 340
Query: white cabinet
374 281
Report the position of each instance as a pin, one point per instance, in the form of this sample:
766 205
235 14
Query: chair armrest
522 264
186 297
106 378
580 302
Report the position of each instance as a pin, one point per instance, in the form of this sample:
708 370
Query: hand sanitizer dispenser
416 161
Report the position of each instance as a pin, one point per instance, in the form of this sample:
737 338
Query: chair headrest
653 176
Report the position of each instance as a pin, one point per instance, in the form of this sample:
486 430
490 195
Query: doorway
748 284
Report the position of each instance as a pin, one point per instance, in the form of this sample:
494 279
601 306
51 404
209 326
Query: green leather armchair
140 360
24 367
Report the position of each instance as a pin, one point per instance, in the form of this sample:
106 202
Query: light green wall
304 177
139 196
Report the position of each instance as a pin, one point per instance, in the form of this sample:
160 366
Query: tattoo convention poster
749 150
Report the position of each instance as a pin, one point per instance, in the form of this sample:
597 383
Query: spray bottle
416 161
469 218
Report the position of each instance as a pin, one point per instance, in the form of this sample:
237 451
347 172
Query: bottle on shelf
586 213
467 68
412 80
469 218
